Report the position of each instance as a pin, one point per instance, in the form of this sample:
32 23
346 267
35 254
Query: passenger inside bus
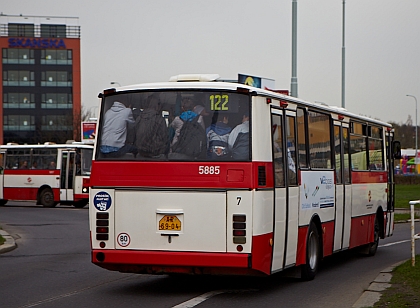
217 137
239 139
190 137
24 165
117 120
201 111
157 138
151 132
187 114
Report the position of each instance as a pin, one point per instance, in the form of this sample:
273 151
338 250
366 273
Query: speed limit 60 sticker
123 239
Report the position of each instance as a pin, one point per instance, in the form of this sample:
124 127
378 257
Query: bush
407 179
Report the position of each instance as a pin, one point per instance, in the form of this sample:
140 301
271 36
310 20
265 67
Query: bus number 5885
209 170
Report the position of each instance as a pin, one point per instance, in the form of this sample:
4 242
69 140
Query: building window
54 57
18 56
18 78
22 30
57 101
18 100
19 122
56 79
53 30
57 122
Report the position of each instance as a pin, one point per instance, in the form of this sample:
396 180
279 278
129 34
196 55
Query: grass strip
405 289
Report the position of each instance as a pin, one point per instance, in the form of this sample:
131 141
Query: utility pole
294 83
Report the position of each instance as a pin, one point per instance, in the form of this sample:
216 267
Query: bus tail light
102 229
239 229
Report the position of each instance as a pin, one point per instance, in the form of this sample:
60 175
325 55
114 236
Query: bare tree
86 113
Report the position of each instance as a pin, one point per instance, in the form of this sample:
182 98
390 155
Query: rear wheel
46 198
313 255
3 202
373 247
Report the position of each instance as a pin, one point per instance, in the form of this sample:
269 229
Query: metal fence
414 236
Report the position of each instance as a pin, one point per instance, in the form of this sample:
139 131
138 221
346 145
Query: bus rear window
175 126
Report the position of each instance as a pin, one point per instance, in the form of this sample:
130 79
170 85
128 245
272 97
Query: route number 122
219 102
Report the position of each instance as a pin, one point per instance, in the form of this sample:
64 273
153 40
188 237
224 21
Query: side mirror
396 149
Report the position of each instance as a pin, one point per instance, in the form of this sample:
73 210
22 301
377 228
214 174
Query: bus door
2 165
389 158
286 191
67 175
342 187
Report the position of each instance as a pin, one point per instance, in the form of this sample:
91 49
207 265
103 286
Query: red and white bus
314 180
46 173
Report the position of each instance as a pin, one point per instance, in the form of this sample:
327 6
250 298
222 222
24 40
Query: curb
9 244
379 284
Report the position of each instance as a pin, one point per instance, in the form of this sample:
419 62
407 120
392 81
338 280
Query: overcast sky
136 41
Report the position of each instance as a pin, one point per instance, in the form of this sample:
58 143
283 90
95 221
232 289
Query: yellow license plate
170 223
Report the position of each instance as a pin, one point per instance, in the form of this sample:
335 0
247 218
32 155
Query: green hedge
407 179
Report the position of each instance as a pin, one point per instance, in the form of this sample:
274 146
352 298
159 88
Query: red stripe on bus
31 172
211 175
262 251
159 258
362 231
369 177
301 247
328 237
78 197
28 194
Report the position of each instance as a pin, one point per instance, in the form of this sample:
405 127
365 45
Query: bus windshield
175 125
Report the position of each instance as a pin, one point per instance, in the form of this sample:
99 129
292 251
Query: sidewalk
9 244
373 293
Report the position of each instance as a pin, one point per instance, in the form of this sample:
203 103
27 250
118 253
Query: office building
41 79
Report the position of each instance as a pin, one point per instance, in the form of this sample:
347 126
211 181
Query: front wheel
3 202
46 198
313 255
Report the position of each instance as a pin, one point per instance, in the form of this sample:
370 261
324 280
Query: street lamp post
343 60
294 82
415 157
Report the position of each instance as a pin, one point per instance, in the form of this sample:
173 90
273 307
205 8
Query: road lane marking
394 243
201 298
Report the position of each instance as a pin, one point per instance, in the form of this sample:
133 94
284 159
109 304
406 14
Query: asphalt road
51 268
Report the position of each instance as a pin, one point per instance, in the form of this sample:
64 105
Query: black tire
313 255
46 198
373 247
3 202
80 204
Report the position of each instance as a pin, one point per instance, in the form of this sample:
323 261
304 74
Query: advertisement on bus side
317 190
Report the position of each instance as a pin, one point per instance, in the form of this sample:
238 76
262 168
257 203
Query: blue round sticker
102 201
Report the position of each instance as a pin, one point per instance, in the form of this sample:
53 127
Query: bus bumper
157 262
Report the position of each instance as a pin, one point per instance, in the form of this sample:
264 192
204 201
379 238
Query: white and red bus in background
315 180
46 173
